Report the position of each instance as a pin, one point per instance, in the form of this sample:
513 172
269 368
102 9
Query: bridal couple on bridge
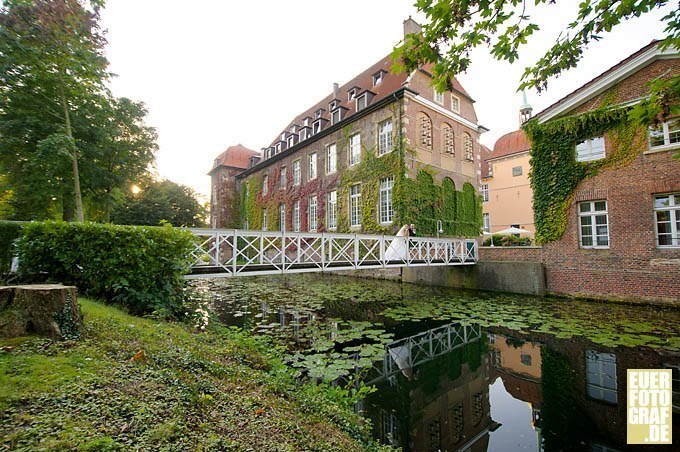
399 247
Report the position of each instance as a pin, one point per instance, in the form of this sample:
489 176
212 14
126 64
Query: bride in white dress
398 249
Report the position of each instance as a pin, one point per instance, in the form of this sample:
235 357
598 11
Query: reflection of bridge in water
404 355
222 253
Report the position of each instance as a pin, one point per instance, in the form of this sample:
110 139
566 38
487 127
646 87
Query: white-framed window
593 224
312 213
355 205
468 147
486 222
666 134
516 171
331 158
296 216
455 103
312 166
316 127
302 135
386 209
590 149
336 116
282 181
265 184
667 220
377 77
361 102
601 376
296 172
332 210
282 217
485 192
385 137
438 97
291 141
351 93
354 149
264 219
277 149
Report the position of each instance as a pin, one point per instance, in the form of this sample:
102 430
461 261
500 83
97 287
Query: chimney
336 91
411 26
525 110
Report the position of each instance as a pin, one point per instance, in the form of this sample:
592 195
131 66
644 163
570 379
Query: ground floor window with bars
386 209
593 224
332 210
355 205
312 213
667 219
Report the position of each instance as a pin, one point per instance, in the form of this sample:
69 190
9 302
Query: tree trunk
74 158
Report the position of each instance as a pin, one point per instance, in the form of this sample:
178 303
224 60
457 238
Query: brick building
621 239
337 165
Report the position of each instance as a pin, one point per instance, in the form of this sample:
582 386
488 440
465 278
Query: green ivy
555 173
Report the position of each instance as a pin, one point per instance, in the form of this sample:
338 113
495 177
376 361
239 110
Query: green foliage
555 173
453 28
507 240
141 268
60 129
222 390
423 202
9 232
161 202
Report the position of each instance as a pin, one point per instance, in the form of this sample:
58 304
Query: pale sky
217 73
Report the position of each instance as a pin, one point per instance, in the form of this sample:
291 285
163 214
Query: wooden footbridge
221 253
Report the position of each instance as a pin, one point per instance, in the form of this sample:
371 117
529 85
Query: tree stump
46 309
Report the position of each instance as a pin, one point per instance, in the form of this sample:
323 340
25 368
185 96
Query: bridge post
356 252
234 253
323 251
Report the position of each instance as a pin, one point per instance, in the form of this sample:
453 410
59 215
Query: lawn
137 383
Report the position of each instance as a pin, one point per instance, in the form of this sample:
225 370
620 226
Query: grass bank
211 391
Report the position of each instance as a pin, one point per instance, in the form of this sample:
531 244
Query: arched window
468 147
424 130
447 140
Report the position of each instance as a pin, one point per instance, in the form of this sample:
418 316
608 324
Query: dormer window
377 77
333 105
336 116
351 94
361 102
305 122
293 129
291 141
278 148
316 127
303 135
283 136
318 113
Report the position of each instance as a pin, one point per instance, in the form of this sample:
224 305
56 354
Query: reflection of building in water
443 406
518 364
584 392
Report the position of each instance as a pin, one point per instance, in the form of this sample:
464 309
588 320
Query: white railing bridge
236 252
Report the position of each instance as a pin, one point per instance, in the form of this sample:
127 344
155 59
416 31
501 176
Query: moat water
461 370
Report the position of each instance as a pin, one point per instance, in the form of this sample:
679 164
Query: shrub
508 240
9 232
141 268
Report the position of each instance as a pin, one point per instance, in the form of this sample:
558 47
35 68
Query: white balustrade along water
237 252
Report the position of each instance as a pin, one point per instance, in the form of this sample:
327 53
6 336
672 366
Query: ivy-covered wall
555 173
418 200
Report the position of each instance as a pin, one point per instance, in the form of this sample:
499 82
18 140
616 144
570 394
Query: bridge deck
233 252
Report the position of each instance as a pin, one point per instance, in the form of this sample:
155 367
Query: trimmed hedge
9 232
508 240
139 267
